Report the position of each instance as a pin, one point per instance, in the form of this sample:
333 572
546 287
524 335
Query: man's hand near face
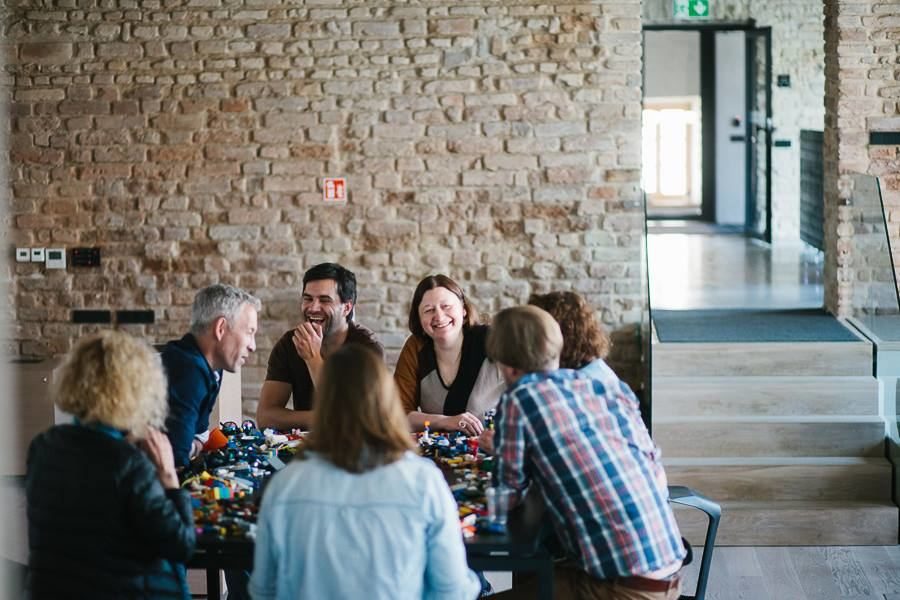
308 343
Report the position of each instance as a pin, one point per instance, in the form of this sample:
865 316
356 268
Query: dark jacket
100 525
193 390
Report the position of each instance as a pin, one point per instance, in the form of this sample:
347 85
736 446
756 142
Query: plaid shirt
583 441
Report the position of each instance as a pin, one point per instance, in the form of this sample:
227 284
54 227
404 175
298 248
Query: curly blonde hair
114 379
584 336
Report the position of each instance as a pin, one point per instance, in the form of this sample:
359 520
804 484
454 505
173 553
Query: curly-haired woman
106 517
585 341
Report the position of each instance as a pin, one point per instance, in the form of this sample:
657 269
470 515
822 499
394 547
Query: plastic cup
498 503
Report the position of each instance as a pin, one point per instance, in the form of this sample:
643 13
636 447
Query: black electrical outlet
783 81
125 317
85 257
91 316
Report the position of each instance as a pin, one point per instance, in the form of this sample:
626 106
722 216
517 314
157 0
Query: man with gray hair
222 336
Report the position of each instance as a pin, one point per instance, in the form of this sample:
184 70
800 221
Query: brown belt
644 584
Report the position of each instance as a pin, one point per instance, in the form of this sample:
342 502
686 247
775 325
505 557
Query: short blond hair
525 338
114 379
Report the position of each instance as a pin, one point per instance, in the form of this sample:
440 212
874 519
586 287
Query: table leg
544 572
212 585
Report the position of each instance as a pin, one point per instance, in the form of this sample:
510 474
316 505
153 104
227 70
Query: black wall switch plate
134 316
91 316
85 257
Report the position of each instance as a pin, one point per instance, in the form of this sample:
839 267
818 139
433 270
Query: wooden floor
801 573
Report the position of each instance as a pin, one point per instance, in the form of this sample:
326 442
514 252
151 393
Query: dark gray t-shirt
287 366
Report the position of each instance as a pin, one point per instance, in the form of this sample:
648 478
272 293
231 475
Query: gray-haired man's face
239 339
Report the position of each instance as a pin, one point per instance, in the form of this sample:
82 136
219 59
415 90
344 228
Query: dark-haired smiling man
327 307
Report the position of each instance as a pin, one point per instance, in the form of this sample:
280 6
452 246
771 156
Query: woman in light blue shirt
358 514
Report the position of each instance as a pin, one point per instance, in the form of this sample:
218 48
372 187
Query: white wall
671 63
730 102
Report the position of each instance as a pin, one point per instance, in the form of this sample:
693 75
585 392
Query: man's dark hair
344 278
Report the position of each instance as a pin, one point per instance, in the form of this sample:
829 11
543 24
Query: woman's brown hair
358 423
429 283
584 338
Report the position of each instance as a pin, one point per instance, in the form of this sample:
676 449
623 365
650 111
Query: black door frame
752 133
708 120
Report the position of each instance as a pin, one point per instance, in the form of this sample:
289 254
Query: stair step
764 358
785 478
738 396
765 436
795 524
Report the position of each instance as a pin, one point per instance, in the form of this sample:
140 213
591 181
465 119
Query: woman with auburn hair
357 514
585 341
106 516
443 372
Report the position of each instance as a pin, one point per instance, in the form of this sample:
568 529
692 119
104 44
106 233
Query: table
520 549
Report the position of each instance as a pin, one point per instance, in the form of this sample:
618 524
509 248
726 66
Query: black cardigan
100 525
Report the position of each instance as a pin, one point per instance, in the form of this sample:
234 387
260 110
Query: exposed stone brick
189 141
46 52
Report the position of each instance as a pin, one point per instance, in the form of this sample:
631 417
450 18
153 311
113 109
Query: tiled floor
693 271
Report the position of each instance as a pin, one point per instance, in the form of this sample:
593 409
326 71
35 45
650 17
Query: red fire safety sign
334 189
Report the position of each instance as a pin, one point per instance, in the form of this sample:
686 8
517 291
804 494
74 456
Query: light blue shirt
598 369
392 533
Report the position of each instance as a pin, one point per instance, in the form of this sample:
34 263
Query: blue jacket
193 390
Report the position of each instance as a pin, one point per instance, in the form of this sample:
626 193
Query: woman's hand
159 449
466 422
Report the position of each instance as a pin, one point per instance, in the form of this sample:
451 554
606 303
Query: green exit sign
690 9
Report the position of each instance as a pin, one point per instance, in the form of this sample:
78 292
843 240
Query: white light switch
37 255
56 258
23 254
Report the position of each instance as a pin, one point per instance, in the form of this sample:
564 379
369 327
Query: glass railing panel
874 286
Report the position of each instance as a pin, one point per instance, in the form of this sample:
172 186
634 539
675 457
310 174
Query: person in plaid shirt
583 443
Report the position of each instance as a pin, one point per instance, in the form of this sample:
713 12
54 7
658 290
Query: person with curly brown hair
585 341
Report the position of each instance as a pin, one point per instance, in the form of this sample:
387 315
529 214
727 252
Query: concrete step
762 359
795 524
784 478
755 396
767 436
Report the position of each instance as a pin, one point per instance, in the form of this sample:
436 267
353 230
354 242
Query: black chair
679 494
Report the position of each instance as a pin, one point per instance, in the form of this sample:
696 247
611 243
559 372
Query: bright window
671 151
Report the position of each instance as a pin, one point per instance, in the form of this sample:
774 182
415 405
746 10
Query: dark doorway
707 125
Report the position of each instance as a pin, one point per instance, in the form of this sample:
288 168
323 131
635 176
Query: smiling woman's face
442 314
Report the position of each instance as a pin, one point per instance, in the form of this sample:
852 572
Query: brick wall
862 94
797 51
498 142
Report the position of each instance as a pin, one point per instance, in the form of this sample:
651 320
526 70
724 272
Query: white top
489 385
